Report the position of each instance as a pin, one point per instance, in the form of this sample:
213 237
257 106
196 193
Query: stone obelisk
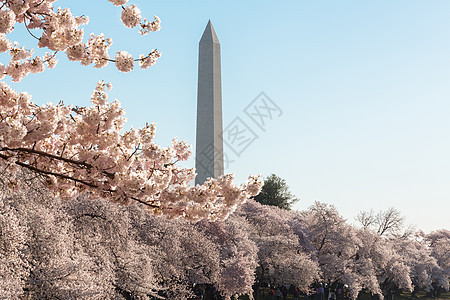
209 144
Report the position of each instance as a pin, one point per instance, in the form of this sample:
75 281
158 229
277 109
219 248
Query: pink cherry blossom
7 20
149 60
5 44
131 16
118 2
124 61
153 26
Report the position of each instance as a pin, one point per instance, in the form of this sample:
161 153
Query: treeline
84 249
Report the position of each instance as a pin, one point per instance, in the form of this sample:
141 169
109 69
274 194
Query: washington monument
209 142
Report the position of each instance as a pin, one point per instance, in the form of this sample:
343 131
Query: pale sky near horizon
363 88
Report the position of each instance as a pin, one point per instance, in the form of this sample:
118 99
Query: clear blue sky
364 87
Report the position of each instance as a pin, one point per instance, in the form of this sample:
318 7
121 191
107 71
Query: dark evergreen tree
276 192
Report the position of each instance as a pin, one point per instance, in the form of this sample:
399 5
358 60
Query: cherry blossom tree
336 245
382 268
50 263
182 254
58 269
361 259
281 258
13 265
105 233
438 242
425 272
238 255
390 245
85 149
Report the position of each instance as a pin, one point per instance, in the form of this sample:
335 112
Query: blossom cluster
82 149
131 16
61 31
22 63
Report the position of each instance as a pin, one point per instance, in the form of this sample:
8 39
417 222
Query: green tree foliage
276 192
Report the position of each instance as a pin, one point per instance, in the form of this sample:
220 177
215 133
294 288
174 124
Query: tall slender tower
209 145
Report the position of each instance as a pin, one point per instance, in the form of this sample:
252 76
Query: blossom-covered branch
82 149
61 31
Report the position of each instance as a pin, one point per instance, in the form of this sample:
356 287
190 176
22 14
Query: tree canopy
93 249
275 192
